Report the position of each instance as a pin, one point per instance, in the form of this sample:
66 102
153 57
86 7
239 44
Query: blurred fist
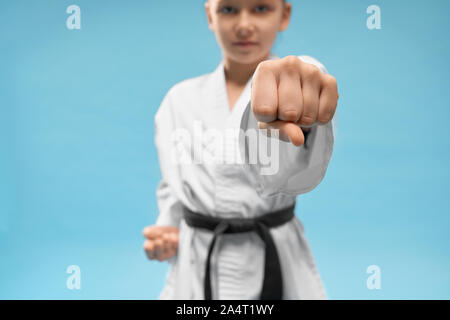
291 95
161 242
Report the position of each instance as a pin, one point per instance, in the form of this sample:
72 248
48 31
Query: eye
261 9
227 10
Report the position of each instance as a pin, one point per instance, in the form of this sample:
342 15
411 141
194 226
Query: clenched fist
289 93
161 242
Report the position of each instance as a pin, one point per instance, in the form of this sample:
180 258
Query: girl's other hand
161 242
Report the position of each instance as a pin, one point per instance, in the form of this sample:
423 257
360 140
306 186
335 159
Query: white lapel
230 119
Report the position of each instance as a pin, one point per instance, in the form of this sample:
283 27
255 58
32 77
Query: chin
247 57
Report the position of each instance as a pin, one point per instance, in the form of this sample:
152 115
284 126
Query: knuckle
291 61
289 115
330 81
307 119
263 111
325 118
312 72
264 65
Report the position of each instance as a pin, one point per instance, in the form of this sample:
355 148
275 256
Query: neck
239 73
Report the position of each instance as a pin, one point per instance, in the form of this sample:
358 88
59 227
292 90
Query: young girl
227 228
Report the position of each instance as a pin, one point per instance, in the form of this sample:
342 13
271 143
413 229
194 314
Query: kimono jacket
232 189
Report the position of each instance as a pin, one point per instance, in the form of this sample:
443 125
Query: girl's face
246 29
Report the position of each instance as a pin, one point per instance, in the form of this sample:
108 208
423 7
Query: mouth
245 44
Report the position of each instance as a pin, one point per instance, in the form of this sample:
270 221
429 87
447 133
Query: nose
244 25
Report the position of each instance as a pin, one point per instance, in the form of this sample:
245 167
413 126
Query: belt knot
237 225
272 287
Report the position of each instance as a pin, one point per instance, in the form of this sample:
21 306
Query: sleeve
167 193
289 169
169 206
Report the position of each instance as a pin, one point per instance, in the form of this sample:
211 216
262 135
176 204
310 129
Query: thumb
287 131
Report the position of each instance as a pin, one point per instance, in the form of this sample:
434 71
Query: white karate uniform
233 190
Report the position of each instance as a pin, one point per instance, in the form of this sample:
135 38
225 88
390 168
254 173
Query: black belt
272 288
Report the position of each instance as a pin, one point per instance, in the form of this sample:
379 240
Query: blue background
79 168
